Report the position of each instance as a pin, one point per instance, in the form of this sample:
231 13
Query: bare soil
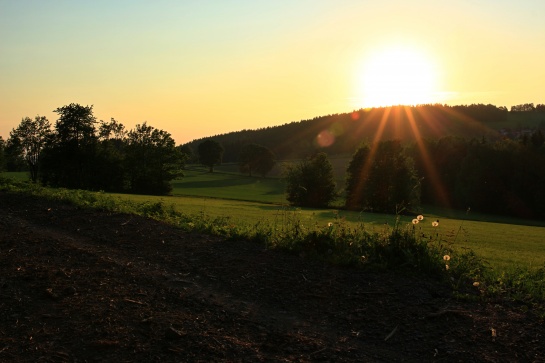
82 285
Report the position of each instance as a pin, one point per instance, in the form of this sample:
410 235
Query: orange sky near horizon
196 69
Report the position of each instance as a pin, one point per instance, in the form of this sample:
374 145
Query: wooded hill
342 133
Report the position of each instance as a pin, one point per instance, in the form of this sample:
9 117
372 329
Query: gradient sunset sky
200 68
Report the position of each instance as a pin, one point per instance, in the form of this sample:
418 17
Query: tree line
499 177
342 133
79 152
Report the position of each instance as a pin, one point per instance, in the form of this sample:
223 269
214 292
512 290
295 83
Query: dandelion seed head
415 221
446 257
476 284
420 217
330 224
435 224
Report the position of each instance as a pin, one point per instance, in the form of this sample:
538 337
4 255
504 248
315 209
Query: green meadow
241 200
503 242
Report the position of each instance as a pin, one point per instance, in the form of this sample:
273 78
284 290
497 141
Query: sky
201 68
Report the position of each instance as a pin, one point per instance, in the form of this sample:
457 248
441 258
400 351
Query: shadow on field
214 183
273 207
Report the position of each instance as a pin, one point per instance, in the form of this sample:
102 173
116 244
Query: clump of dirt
82 285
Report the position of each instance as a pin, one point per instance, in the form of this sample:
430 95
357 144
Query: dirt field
87 286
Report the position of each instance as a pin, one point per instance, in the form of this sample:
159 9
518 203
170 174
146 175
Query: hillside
342 133
89 286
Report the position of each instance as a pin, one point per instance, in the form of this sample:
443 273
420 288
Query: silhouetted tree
188 153
13 155
31 137
69 157
152 160
210 153
526 107
382 179
311 183
109 157
437 163
111 130
256 158
2 154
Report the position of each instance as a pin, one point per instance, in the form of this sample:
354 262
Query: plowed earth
81 285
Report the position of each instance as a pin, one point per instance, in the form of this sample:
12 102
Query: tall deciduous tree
69 158
31 137
256 158
152 160
381 179
210 153
311 183
187 151
76 124
110 156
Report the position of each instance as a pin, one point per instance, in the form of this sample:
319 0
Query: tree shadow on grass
214 183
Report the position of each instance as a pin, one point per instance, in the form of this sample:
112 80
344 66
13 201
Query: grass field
20 176
199 182
501 244
501 241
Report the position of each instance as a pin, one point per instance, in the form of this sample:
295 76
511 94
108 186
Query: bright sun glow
398 76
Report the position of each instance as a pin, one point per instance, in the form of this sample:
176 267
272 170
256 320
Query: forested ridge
343 133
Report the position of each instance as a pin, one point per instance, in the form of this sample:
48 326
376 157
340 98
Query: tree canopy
210 153
256 158
31 137
311 183
152 160
382 178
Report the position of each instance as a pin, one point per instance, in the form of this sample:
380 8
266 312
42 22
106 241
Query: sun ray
372 151
437 185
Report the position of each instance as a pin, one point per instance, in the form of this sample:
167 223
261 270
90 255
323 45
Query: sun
398 76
